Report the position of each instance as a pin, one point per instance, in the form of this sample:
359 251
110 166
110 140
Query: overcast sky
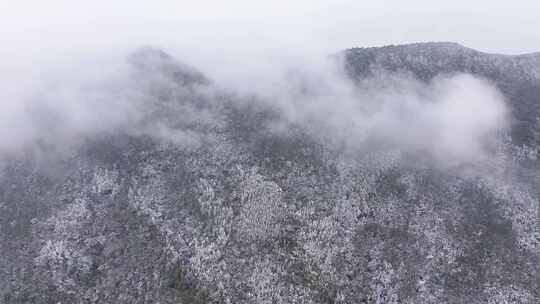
495 26
202 30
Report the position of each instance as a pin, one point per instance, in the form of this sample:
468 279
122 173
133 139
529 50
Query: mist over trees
384 175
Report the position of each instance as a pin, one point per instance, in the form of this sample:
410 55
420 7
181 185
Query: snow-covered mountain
208 196
517 76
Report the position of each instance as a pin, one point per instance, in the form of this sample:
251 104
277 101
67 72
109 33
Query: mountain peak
423 47
428 59
154 60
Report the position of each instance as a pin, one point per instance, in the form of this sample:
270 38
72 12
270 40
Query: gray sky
33 26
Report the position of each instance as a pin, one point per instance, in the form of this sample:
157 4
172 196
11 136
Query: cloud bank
452 119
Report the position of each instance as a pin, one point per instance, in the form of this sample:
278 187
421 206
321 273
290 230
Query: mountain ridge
448 45
517 76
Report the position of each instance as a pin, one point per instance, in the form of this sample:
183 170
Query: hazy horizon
39 37
239 25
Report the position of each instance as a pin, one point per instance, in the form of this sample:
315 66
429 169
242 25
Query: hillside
208 196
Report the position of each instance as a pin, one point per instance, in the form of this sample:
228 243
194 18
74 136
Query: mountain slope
518 77
206 196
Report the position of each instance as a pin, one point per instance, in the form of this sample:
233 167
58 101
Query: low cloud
63 107
451 119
